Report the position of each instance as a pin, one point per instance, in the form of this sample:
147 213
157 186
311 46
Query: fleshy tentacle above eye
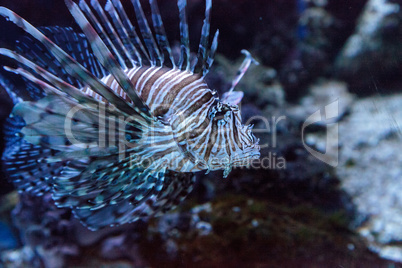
234 97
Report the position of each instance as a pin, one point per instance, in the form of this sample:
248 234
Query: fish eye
223 115
220 112
220 115
233 107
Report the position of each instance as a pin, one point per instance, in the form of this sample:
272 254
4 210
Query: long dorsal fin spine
202 50
212 52
100 30
72 67
106 58
60 87
121 49
133 53
146 33
56 81
44 86
185 43
130 29
161 37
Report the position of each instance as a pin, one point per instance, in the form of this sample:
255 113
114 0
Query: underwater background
294 210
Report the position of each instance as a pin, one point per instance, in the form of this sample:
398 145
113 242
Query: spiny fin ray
60 84
111 32
71 66
132 52
212 52
147 34
202 50
106 58
130 29
185 43
99 28
160 31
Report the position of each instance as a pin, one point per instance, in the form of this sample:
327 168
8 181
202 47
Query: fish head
234 144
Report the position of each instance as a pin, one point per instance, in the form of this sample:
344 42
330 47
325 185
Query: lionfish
114 123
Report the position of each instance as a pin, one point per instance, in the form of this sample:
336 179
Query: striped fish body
184 101
178 99
113 133
165 91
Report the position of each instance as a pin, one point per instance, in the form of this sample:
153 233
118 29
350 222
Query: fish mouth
256 156
252 152
247 158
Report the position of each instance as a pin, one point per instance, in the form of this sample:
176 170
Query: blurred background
345 211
